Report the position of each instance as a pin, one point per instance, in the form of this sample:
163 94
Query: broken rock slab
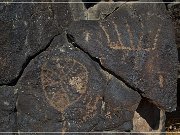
26 30
139 47
64 89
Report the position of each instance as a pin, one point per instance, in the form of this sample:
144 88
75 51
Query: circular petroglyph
64 80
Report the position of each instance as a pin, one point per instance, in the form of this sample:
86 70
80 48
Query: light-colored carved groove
87 36
130 35
140 41
161 81
64 128
118 34
118 45
77 83
60 100
91 107
156 37
104 29
47 79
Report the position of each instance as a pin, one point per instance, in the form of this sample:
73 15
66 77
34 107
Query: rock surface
101 10
175 13
64 90
26 30
8 97
148 118
137 46
97 12
99 75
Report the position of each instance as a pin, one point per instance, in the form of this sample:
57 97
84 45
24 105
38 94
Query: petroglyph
91 108
78 84
133 45
161 80
87 34
118 45
63 81
104 29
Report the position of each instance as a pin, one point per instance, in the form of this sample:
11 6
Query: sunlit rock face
74 67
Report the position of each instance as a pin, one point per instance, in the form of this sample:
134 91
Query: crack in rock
28 60
73 42
64 83
129 44
26 29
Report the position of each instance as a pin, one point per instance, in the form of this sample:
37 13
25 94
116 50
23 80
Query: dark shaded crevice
128 131
112 12
90 3
16 124
166 2
146 109
124 0
15 110
71 40
27 61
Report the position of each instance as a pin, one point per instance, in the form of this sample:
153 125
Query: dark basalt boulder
64 90
137 46
27 29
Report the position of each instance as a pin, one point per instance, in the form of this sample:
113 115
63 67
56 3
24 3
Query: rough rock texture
101 10
101 74
78 10
26 30
174 9
137 46
148 118
8 97
175 13
64 90
97 12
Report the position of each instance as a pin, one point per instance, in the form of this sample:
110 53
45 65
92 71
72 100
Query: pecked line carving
64 81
